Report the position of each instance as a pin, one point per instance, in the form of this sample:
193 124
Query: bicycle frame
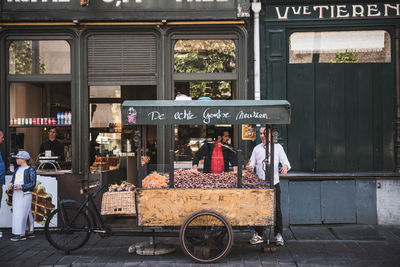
94 215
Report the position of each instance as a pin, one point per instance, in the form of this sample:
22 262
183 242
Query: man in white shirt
257 162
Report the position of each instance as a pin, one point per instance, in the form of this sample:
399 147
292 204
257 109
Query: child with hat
22 184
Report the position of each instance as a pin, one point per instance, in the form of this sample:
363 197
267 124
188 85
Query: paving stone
356 232
363 246
312 233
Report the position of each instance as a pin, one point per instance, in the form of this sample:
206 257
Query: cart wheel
206 236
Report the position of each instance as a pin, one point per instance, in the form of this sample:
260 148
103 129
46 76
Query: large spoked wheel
67 228
206 236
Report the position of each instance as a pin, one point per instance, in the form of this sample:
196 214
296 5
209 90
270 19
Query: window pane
39 57
189 138
204 56
340 47
216 90
105 91
105 115
35 108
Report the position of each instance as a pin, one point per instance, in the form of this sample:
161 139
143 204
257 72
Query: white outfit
22 202
258 156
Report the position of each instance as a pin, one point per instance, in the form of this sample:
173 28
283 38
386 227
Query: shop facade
70 65
337 63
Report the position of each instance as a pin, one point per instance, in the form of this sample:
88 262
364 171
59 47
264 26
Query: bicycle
69 226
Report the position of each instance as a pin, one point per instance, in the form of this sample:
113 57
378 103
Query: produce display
155 180
105 163
124 186
192 179
112 161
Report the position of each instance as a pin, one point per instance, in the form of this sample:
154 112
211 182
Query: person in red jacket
217 154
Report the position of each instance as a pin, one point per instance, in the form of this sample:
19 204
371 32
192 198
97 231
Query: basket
118 203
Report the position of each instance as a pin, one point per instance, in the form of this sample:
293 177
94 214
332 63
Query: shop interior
34 109
189 138
112 148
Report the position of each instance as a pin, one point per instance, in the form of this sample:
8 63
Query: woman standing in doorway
22 184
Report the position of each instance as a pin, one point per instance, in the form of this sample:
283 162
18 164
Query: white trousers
22 202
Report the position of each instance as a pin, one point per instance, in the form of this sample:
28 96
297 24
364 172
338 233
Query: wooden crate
118 203
170 207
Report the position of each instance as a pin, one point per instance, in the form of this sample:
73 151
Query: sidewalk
339 245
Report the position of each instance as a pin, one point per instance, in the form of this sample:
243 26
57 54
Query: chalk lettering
156 115
185 115
241 115
218 115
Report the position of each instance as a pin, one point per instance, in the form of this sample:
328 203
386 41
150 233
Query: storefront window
111 147
105 115
204 56
217 90
39 57
40 122
214 59
105 91
340 47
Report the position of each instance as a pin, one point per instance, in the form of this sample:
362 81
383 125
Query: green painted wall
342 114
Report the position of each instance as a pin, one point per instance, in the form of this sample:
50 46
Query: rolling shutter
122 59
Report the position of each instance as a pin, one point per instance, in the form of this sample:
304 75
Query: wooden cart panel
170 207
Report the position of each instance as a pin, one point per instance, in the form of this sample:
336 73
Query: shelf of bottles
62 119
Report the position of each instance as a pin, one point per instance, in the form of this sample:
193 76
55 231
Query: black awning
189 112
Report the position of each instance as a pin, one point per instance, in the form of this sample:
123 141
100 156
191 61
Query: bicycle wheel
67 230
206 236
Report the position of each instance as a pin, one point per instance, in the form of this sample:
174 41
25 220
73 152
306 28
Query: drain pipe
256 7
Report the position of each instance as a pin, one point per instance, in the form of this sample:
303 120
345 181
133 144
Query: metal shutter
122 59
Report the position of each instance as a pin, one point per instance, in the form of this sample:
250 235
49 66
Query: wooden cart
204 217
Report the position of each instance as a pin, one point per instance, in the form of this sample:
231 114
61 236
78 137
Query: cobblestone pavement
338 245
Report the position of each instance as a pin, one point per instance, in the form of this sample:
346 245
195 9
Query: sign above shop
189 112
334 11
129 9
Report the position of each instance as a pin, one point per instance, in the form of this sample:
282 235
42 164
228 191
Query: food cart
204 218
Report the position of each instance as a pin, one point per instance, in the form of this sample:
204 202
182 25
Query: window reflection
39 57
204 56
105 91
216 90
340 47
105 115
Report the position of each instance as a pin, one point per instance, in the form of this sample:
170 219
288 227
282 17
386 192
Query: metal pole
256 7
397 123
272 163
239 174
139 166
267 160
171 169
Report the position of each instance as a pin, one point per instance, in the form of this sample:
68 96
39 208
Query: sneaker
279 240
256 239
18 238
30 235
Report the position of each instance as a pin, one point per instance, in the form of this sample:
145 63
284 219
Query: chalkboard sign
207 112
